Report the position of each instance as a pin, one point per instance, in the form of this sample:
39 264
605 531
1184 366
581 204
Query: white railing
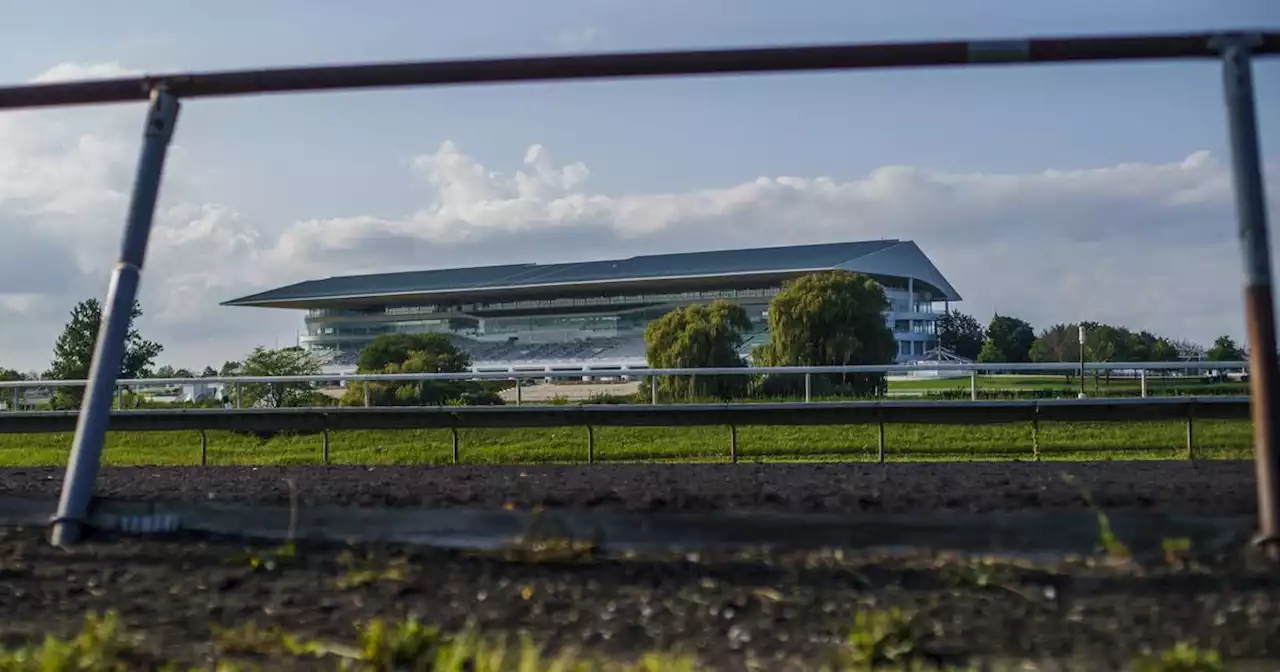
1060 368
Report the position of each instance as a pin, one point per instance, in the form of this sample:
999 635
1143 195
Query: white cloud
70 72
1149 245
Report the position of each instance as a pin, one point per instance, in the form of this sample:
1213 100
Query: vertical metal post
239 395
880 423
325 454
1142 376
95 410
454 431
653 390
120 398
1082 395
591 445
519 393
1251 212
1191 446
973 386
733 443
808 387
204 448
17 398
366 394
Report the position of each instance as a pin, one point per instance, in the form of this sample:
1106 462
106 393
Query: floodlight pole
95 410
1251 212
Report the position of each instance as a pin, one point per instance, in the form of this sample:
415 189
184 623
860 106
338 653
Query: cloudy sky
1054 193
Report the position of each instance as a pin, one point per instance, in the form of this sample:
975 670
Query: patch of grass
102 646
363 572
879 638
1182 657
904 442
1109 543
269 559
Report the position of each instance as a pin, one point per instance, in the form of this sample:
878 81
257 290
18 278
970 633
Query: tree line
1013 340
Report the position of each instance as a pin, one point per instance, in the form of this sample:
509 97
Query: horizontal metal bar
636 64
1047 367
642 415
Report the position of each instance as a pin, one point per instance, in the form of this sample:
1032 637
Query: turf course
1213 439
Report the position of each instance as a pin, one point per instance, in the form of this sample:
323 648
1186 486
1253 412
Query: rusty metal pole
1251 214
95 410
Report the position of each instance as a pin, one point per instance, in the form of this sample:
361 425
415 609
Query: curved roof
893 258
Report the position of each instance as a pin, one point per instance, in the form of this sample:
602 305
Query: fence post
1191 449
733 444
653 389
104 369
880 424
973 386
325 431
366 394
17 398
454 432
1142 375
1251 214
808 387
591 445
1035 431
204 449
239 395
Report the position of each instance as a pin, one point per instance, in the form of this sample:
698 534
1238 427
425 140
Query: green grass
1057 441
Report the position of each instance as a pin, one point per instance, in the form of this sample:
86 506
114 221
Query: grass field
1057 441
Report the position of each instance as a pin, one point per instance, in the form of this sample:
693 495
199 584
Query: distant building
539 316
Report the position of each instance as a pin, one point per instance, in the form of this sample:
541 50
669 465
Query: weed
368 571
878 638
102 646
1110 544
273 641
1177 551
269 559
1182 657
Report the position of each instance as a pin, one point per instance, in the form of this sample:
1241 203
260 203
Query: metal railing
731 416
1235 50
1140 371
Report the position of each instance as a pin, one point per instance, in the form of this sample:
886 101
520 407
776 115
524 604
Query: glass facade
910 315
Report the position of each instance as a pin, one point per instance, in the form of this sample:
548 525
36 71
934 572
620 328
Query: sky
1054 193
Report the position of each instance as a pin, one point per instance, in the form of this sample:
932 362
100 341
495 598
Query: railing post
91 425
519 395
880 425
733 444
1142 375
454 432
591 445
1251 213
653 390
17 398
1035 431
1191 446
204 449
973 386
808 387
239 395
366 394
325 454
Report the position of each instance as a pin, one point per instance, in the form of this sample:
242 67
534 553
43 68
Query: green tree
1059 343
961 334
290 361
413 353
229 369
698 336
1224 349
835 318
1011 337
209 372
9 375
73 351
990 354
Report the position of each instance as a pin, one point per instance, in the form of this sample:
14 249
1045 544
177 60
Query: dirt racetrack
764 611
1209 487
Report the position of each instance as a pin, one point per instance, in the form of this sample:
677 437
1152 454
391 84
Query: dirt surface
778 612
1207 487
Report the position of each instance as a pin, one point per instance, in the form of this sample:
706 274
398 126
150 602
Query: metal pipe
519 395
653 390
633 64
1251 212
95 410
808 387
366 394
973 386
1142 375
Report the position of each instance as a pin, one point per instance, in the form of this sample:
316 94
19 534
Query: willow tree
834 318
698 336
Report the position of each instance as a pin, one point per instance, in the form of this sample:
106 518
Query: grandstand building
593 314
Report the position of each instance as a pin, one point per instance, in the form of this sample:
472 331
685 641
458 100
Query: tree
961 334
229 369
412 353
1011 337
9 375
835 318
1224 349
1059 343
698 336
290 361
73 351
990 354
209 372
165 371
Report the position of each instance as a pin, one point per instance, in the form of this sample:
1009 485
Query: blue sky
276 162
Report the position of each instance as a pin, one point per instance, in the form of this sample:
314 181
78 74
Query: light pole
1082 361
